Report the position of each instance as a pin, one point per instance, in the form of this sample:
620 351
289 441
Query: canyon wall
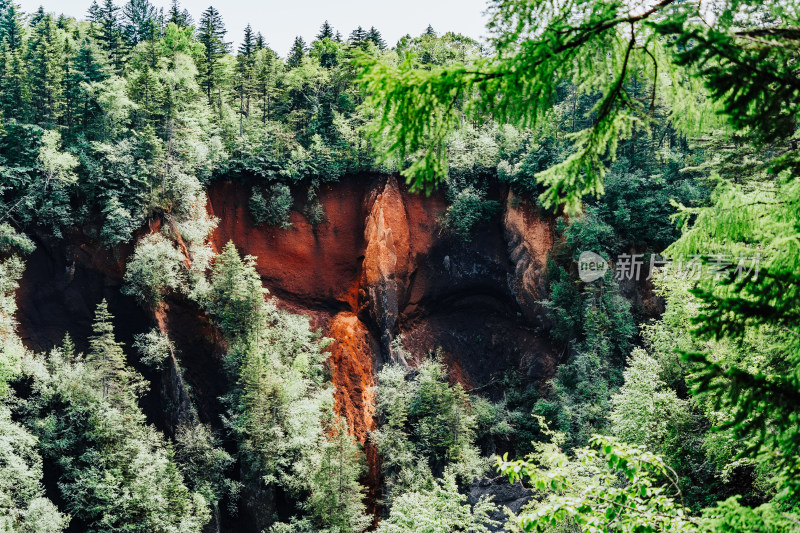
379 276
380 267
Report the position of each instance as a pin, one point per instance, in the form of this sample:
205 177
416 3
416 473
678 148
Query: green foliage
154 347
106 359
11 348
236 297
336 495
595 323
468 206
609 487
535 43
206 465
645 411
439 509
274 210
426 426
155 268
278 409
114 471
21 493
13 241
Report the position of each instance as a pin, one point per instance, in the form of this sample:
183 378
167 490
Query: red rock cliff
381 266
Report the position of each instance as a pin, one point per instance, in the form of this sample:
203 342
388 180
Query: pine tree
46 64
180 17
430 32
68 349
82 108
325 31
375 36
236 294
109 33
105 355
336 500
13 88
245 65
145 85
297 52
37 17
211 34
139 21
94 14
265 76
260 42
10 26
358 37
325 47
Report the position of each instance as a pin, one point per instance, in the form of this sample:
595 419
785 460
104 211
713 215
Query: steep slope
379 276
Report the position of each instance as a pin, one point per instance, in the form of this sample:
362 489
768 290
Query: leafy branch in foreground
600 48
610 486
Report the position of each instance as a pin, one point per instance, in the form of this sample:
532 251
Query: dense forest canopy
663 131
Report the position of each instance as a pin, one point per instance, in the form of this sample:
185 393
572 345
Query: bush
276 209
155 268
469 206
154 347
12 241
120 223
427 427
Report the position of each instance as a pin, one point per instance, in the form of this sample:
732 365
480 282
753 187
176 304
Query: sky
281 20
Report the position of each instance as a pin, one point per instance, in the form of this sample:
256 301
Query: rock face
530 238
380 266
378 270
503 494
385 267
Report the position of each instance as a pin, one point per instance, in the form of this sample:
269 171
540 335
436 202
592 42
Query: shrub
469 206
155 268
275 210
154 347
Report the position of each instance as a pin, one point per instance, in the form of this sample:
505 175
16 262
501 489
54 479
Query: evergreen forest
545 279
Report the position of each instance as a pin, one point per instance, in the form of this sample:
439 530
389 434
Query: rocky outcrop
385 267
530 237
316 267
504 495
379 267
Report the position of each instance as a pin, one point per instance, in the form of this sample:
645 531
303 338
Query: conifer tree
245 65
83 111
236 293
10 26
37 17
106 356
336 500
180 17
375 36
358 37
325 31
139 21
265 76
46 60
68 349
109 32
13 88
94 13
297 52
211 33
